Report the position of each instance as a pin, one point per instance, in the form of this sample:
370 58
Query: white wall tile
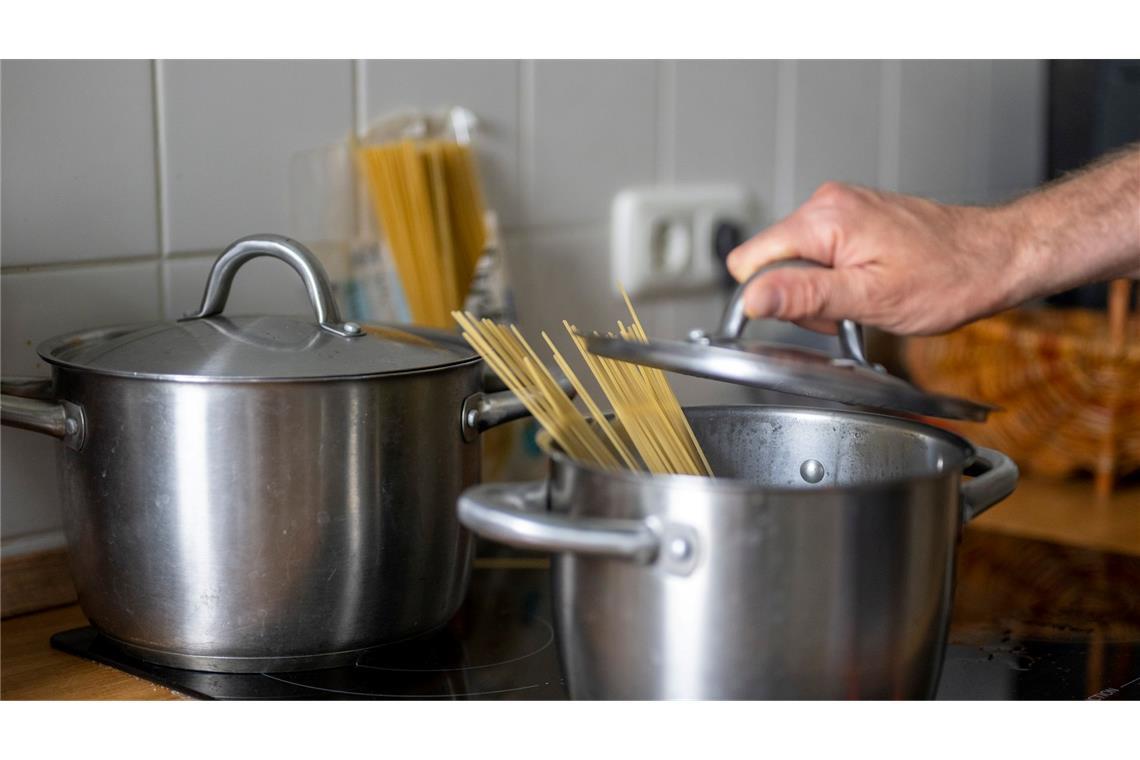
941 131
558 275
725 123
231 129
1017 121
28 487
261 286
77 143
594 130
837 123
489 88
38 306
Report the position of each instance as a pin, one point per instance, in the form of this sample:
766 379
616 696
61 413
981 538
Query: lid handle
734 320
292 253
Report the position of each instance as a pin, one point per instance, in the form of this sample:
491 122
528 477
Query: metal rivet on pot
680 549
351 328
812 471
71 426
699 336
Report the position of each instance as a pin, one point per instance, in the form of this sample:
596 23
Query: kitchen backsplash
121 179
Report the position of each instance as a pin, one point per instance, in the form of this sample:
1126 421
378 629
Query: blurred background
122 180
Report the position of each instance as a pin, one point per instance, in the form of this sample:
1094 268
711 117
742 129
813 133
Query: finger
794 237
795 294
825 326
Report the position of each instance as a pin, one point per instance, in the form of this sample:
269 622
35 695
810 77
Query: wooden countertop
31 669
1067 512
1063 514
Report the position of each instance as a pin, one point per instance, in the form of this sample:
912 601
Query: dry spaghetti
651 433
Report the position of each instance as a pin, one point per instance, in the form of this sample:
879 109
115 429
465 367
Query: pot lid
208 346
848 379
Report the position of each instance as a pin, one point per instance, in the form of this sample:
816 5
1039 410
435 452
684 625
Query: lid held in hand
847 379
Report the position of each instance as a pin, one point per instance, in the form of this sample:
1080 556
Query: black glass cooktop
501 645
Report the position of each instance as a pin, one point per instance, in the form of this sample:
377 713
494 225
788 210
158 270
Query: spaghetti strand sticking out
651 432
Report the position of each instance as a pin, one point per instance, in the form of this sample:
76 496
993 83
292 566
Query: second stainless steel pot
818 564
262 493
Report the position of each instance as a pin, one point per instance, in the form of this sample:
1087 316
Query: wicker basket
1068 382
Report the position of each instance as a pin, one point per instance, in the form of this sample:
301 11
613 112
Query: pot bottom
239 664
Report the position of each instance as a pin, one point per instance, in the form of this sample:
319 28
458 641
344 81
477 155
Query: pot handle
995 477
307 265
27 403
483 411
515 514
734 320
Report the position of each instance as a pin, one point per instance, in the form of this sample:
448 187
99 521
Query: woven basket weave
1068 382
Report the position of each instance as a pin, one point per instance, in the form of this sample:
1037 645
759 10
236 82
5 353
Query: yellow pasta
652 423
425 196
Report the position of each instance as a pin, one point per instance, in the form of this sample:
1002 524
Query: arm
913 266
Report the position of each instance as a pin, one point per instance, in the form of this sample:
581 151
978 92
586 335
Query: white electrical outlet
663 237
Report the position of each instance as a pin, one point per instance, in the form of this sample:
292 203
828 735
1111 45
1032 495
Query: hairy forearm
1083 228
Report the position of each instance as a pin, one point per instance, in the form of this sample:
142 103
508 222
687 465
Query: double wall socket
672 238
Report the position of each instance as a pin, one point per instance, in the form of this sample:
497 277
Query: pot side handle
515 514
995 477
483 411
27 403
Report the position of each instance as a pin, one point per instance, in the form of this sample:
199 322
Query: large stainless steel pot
818 564
262 493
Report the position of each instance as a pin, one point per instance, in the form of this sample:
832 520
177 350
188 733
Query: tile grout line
526 100
359 97
890 123
55 266
1041 118
666 146
161 194
359 126
983 122
518 211
784 175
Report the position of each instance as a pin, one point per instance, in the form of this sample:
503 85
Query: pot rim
739 485
208 380
46 348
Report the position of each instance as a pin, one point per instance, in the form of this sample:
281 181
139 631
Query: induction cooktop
502 645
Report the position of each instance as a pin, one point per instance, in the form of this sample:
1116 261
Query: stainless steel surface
812 471
307 266
267 526
47 417
512 513
852 345
996 477
27 387
847 379
213 348
830 590
486 410
250 524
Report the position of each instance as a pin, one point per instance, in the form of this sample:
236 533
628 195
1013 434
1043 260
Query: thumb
795 294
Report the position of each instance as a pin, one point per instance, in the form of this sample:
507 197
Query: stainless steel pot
262 493
818 564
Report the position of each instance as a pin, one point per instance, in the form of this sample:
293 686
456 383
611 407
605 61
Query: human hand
904 264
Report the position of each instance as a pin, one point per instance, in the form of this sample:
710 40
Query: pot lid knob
292 253
850 332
